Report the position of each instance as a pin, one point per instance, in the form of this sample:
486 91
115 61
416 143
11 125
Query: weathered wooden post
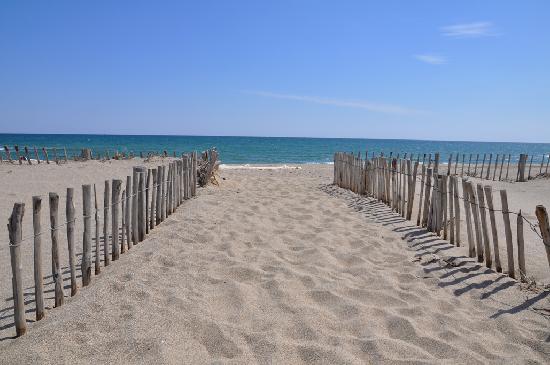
158 203
106 206
468 213
494 232
427 192
15 229
123 225
8 154
46 155
508 232
162 183
147 211
141 203
56 267
128 213
35 155
86 264
521 248
38 277
55 156
116 187
17 154
484 228
69 211
135 208
544 226
27 157
153 200
97 237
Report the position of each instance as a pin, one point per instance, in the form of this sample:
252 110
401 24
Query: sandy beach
276 266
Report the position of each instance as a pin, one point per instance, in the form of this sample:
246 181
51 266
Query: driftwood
207 166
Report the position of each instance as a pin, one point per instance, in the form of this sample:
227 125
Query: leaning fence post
86 265
508 232
115 198
544 226
69 214
46 155
56 267
6 148
17 154
36 156
27 155
15 228
38 277
141 204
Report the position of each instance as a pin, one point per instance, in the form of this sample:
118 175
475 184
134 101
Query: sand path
280 267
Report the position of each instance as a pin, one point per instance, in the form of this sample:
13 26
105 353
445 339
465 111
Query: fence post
56 267
147 211
484 229
427 190
494 232
46 155
128 213
467 210
141 203
158 203
36 155
116 187
135 182
521 248
18 155
15 229
38 277
97 238
456 210
162 183
508 232
106 205
69 214
55 156
27 155
6 148
153 200
544 226
86 265
123 222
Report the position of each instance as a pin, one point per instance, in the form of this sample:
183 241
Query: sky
441 70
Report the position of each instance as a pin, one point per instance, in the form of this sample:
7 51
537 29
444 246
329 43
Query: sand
277 266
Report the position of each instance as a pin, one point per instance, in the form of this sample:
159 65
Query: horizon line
253 136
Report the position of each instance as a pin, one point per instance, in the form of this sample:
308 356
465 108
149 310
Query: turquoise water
268 149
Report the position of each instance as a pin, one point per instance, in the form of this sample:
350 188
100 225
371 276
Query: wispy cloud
367 105
469 30
432 59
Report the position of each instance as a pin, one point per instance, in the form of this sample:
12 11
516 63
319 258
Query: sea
271 150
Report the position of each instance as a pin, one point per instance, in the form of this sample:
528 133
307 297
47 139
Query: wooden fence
129 213
30 155
440 205
485 167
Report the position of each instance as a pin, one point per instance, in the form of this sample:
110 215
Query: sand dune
278 266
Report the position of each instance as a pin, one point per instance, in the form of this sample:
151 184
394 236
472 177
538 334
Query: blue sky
446 70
